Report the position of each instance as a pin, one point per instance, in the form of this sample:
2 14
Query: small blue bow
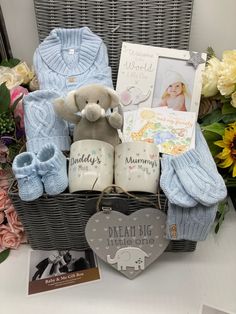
47 173
26 176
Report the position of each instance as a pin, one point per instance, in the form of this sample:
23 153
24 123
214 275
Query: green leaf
214 149
228 109
5 98
216 127
211 138
222 211
14 149
210 53
230 182
225 99
214 116
4 255
217 227
229 118
10 63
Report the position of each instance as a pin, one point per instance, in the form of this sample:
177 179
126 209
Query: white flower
233 101
210 77
24 72
227 76
3 69
11 78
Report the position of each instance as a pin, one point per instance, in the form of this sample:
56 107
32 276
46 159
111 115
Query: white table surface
177 283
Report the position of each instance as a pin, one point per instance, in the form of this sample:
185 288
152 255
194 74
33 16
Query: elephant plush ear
70 102
66 108
114 97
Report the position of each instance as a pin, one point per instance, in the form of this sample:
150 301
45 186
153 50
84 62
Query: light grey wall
21 27
213 24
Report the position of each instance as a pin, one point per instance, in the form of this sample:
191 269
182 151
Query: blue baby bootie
52 167
29 183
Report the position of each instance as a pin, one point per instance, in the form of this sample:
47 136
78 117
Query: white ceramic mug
90 166
137 166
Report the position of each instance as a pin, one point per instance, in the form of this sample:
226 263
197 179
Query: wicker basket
58 223
164 23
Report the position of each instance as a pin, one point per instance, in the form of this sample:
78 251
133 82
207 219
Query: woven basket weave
163 23
58 223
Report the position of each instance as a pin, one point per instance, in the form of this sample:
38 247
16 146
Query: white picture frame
145 70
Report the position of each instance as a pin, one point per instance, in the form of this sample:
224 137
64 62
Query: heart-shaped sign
128 243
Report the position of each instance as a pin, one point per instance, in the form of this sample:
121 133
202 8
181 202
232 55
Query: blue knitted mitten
52 166
198 173
171 185
191 224
29 183
200 180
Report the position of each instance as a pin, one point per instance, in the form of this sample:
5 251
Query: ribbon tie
27 176
47 173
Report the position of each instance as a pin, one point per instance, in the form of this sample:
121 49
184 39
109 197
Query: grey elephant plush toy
87 108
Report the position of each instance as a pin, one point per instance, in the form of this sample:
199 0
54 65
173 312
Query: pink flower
5 201
9 239
16 92
2 229
4 184
5 178
8 203
13 220
3 198
23 238
4 152
2 217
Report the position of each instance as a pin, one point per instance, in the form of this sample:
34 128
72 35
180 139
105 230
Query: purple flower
20 133
6 140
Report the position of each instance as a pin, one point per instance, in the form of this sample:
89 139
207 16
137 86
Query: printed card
172 131
153 77
51 270
136 77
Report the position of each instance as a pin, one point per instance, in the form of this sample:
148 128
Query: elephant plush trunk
111 260
93 112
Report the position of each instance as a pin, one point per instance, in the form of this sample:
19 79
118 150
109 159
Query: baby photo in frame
178 80
160 77
173 87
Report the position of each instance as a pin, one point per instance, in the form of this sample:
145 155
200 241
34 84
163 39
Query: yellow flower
229 56
227 75
210 77
228 154
24 72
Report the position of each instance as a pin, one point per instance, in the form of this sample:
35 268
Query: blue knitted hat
42 125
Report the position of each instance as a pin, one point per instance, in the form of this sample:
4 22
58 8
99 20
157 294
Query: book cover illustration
171 130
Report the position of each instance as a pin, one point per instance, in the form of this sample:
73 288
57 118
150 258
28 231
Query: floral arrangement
217 113
217 117
15 80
